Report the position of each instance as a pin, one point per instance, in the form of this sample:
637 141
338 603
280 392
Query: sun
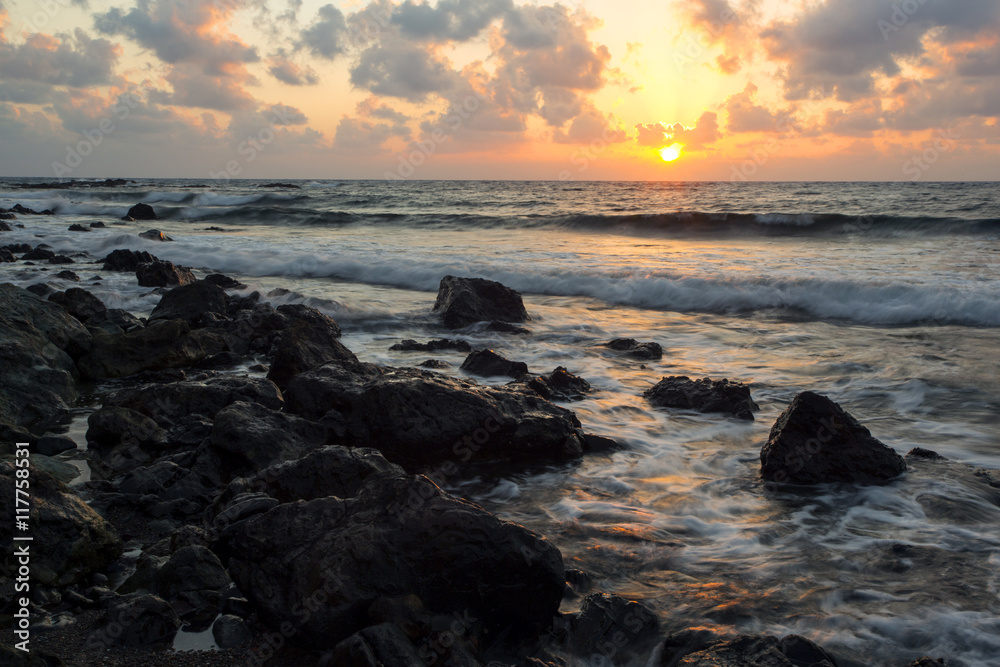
671 152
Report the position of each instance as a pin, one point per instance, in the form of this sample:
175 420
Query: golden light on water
671 152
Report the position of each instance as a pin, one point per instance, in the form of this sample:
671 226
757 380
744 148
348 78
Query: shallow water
895 319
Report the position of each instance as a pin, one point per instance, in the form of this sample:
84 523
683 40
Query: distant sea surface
883 296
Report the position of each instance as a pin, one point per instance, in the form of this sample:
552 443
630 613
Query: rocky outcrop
464 301
79 303
308 339
190 302
144 620
612 631
704 395
432 346
71 541
163 344
341 554
559 385
635 349
174 401
487 363
420 418
815 441
163 274
142 212
111 426
126 260
155 235
752 651
253 437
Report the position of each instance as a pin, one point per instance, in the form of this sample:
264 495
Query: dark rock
126 260
435 363
18 248
155 235
465 301
193 578
928 662
97 225
378 645
231 632
163 274
254 330
4 227
612 630
406 612
114 321
176 400
680 644
78 228
112 426
38 341
79 303
141 212
163 344
560 385
50 445
61 259
815 441
23 210
507 328
145 620
635 349
487 363
309 339
597 444
40 289
190 302
750 651
419 418
71 541
256 437
286 186
705 395
432 346
6 256
68 275
354 551
38 254
925 454
225 282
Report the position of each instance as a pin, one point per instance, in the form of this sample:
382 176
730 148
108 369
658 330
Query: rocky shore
263 496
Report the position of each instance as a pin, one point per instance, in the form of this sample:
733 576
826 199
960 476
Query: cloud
193 88
589 126
745 115
63 60
400 69
449 20
651 134
356 133
704 132
327 35
286 71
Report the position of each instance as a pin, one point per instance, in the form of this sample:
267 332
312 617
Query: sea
883 296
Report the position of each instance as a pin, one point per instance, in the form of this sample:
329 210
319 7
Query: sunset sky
585 89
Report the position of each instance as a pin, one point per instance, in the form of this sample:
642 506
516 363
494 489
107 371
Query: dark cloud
60 60
449 20
326 37
286 71
400 69
372 108
194 88
355 133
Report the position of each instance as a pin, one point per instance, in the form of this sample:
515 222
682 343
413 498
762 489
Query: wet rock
559 385
38 341
432 346
38 254
927 662
254 330
71 541
163 344
18 248
231 632
406 612
176 400
598 444
375 545
50 445
126 260
114 321
464 301
612 630
487 363
112 426
61 259
418 418
383 644
308 339
705 395
225 282
155 235
190 302
78 228
193 579
435 363
750 651
141 212
97 225
6 256
635 349
145 620
255 437
163 274
79 303
68 275
507 328
924 454
815 441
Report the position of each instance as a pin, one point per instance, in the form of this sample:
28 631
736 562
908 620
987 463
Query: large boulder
704 395
163 274
190 302
141 621
111 426
752 651
38 342
611 630
126 260
420 418
79 303
816 441
559 385
254 329
308 339
163 344
176 400
487 363
71 541
464 301
397 535
142 212
254 437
